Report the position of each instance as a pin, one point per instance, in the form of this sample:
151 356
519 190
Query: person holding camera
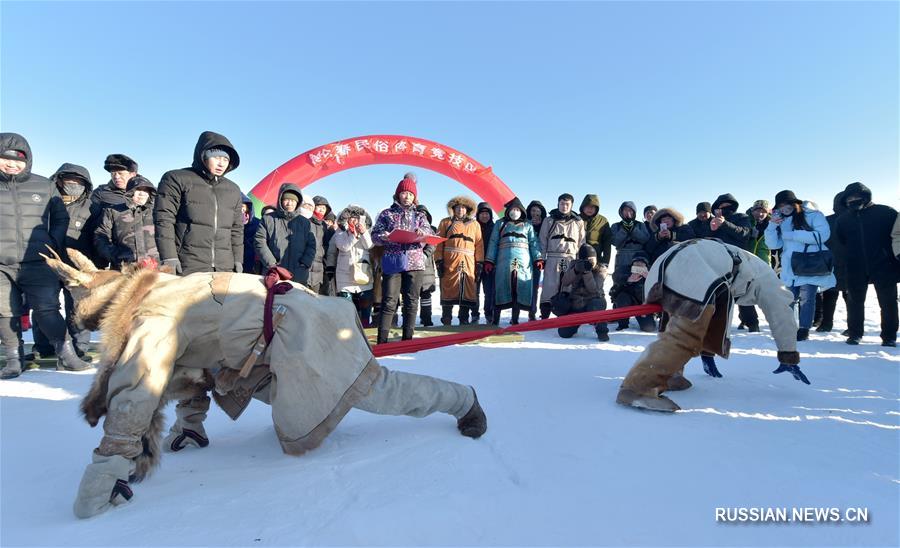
800 232
581 290
352 271
667 228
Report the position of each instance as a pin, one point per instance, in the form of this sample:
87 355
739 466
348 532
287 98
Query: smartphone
663 226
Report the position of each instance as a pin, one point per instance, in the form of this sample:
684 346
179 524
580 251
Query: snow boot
853 340
546 308
623 325
753 328
802 334
13 367
67 360
824 328
446 315
425 316
515 316
632 399
474 423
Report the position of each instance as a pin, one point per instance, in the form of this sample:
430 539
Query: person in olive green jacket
759 220
596 228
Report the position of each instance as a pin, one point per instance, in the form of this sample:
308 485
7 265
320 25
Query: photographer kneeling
581 290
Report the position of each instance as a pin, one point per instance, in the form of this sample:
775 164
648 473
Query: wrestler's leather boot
474 423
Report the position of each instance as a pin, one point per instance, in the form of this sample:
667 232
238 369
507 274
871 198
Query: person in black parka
839 253
251 224
126 233
32 218
535 213
733 227
199 223
865 230
285 238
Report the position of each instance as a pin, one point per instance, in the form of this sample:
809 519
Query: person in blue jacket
797 227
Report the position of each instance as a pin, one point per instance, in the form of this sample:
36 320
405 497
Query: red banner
325 160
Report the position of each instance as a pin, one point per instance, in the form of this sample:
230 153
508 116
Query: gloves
539 264
174 264
104 485
488 267
709 366
440 268
793 370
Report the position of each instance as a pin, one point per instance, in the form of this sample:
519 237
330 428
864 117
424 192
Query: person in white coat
353 270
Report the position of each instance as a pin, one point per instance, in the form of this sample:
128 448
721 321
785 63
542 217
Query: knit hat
785 197
587 251
408 184
140 182
566 196
215 153
704 206
119 162
290 195
760 204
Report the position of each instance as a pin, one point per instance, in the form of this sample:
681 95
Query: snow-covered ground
561 463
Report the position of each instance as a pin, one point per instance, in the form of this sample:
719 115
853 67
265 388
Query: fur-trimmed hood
464 201
671 212
353 210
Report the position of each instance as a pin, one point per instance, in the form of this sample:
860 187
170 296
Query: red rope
570 320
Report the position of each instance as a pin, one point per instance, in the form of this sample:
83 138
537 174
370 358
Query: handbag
813 263
362 273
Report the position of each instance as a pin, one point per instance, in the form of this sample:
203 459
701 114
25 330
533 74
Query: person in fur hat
697 282
121 169
667 228
353 274
402 264
536 215
562 235
581 290
513 252
459 260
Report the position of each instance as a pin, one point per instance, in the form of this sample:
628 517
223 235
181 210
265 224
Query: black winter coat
317 268
108 195
198 215
736 229
656 247
32 214
83 213
251 259
126 234
701 229
866 234
838 249
627 240
286 239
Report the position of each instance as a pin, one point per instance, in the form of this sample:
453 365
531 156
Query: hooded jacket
352 249
488 227
680 232
866 233
539 205
32 214
736 228
126 232
838 249
629 238
596 229
84 214
286 239
251 259
513 250
198 215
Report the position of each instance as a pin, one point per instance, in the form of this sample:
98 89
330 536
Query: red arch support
325 160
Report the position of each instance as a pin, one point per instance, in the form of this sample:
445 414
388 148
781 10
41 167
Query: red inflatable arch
325 160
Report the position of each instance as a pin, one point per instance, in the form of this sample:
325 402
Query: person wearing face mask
74 185
402 264
732 227
562 235
285 237
700 224
512 253
251 225
536 213
317 225
629 237
798 227
199 220
865 229
32 217
322 212
126 233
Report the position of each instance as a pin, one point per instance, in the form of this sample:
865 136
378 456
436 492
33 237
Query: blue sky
667 102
